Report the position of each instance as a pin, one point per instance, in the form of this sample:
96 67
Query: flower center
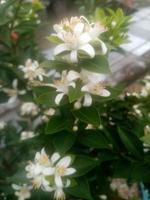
61 170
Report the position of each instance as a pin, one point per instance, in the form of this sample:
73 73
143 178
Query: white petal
78 29
74 56
103 47
58 98
84 38
87 100
16 187
85 88
48 171
104 93
55 157
12 100
58 181
15 83
88 49
68 182
72 75
69 171
57 28
72 84
60 48
65 162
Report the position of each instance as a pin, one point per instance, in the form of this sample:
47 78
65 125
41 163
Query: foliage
66 105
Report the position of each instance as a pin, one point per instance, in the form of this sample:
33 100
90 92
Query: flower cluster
49 174
77 37
92 84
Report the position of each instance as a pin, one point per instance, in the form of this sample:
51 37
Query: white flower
48 113
146 90
40 168
32 70
62 169
27 135
76 35
29 108
62 85
94 84
22 192
2 125
137 110
13 92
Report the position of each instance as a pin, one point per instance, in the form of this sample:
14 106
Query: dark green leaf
64 141
89 115
82 190
94 139
84 164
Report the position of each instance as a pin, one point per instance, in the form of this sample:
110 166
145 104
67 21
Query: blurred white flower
29 108
14 91
40 168
93 84
48 113
32 70
137 110
146 89
62 85
78 35
27 135
63 169
2 125
22 192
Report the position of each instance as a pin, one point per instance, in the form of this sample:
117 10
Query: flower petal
87 100
103 47
58 98
69 171
88 49
15 187
58 181
85 88
84 38
78 29
72 75
60 48
65 161
55 157
74 56
104 93
48 171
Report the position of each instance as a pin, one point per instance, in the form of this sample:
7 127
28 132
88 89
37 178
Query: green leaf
98 64
82 190
54 39
47 98
146 139
130 142
64 141
94 139
57 123
75 93
84 164
88 115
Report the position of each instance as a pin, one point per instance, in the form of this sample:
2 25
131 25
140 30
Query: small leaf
64 141
54 39
75 93
82 190
98 64
89 116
